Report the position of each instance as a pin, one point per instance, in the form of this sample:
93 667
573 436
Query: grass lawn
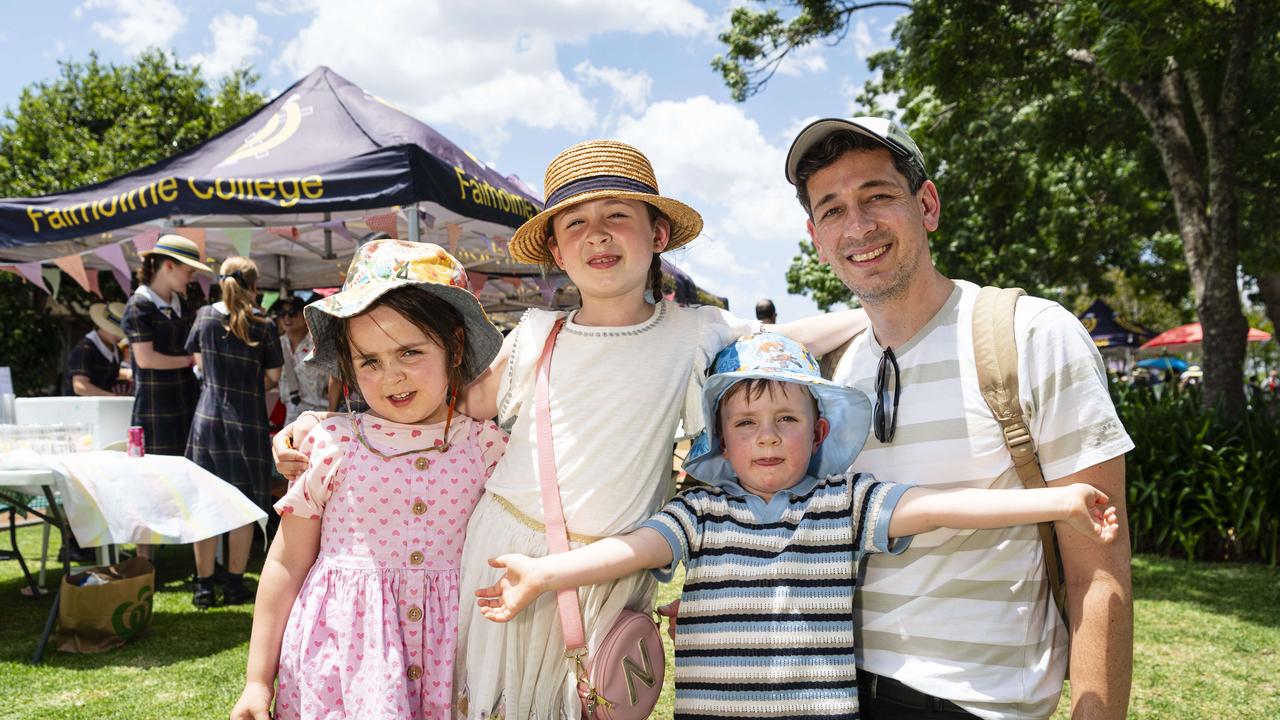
1207 646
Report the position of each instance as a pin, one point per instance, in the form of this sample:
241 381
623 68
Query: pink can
136 437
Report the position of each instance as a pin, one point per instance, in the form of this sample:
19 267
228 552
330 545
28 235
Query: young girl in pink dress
357 607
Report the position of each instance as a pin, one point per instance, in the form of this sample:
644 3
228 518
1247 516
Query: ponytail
655 267
238 281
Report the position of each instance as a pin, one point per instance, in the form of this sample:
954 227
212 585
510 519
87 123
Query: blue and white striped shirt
766 617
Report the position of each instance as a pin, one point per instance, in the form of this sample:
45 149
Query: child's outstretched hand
254 703
518 588
1088 513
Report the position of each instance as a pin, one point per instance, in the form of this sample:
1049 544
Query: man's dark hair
765 311
833 147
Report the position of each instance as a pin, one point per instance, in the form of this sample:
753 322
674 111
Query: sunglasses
290 312
885 415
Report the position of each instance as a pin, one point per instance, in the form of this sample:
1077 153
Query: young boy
771 546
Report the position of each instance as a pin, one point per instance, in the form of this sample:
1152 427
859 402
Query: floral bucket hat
385 265
772 356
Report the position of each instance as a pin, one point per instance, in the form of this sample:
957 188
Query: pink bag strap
575 637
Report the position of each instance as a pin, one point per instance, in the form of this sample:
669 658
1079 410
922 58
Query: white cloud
484 66
235 39
712 156
863 45
136 24
808 59
631 89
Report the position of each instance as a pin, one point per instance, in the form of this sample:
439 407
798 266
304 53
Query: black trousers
883 698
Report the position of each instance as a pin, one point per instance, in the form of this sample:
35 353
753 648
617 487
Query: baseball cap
882 130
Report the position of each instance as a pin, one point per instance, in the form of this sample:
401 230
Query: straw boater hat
178 248
384 265
594 170
775 357
107 317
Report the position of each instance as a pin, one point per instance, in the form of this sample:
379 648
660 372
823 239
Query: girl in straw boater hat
357 607
239 355
156 322
93 368
627 372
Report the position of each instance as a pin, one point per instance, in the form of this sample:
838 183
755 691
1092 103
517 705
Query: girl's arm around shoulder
602 561
480 399
292 554
325 449
1081 506
820 334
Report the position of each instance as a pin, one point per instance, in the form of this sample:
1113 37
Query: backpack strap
995 352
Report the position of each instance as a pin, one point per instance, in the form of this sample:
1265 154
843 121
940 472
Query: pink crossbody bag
624 679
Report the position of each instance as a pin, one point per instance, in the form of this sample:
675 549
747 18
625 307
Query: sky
515 82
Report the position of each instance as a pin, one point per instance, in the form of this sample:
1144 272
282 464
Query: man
962 624
766 312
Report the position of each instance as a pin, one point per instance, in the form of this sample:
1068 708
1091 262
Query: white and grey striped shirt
965 614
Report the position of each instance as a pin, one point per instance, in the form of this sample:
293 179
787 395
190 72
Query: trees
1071 135
93 122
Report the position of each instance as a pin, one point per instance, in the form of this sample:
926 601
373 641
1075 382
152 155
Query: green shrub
1201 486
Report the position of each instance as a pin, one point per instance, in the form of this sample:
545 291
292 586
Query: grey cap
882 130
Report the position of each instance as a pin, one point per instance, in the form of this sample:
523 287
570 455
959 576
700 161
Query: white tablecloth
111 498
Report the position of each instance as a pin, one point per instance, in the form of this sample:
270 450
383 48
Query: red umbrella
1189 337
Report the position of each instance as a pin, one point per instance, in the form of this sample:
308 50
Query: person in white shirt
962 625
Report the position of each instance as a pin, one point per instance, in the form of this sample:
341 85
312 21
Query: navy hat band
177 251
598 182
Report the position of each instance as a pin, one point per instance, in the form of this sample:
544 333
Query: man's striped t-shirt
766 617
965 614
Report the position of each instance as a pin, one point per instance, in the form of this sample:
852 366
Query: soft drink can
136 447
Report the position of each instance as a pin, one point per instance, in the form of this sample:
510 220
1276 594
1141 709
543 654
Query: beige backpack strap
827 364
996 354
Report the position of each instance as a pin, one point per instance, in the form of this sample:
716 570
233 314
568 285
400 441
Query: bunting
53 276
73 265
455 233
269 298
386 222
478 281
206 282
94 287
30 271
195 235
242 239
287 232
145 240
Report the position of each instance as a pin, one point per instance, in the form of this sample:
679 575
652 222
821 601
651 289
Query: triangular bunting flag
455 233
242 239
386 222
195 235
477 282
206 282
124 280
339 227
94 287
145 240
113 254
31 271
428 219
288 232
53 276
269 298
73 265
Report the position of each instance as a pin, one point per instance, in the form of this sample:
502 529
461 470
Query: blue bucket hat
775 357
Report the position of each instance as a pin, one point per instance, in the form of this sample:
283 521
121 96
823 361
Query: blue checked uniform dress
229 436
165 399
86 359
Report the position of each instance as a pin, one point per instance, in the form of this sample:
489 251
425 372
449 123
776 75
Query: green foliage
1200 486
808 275
30 336
95 121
